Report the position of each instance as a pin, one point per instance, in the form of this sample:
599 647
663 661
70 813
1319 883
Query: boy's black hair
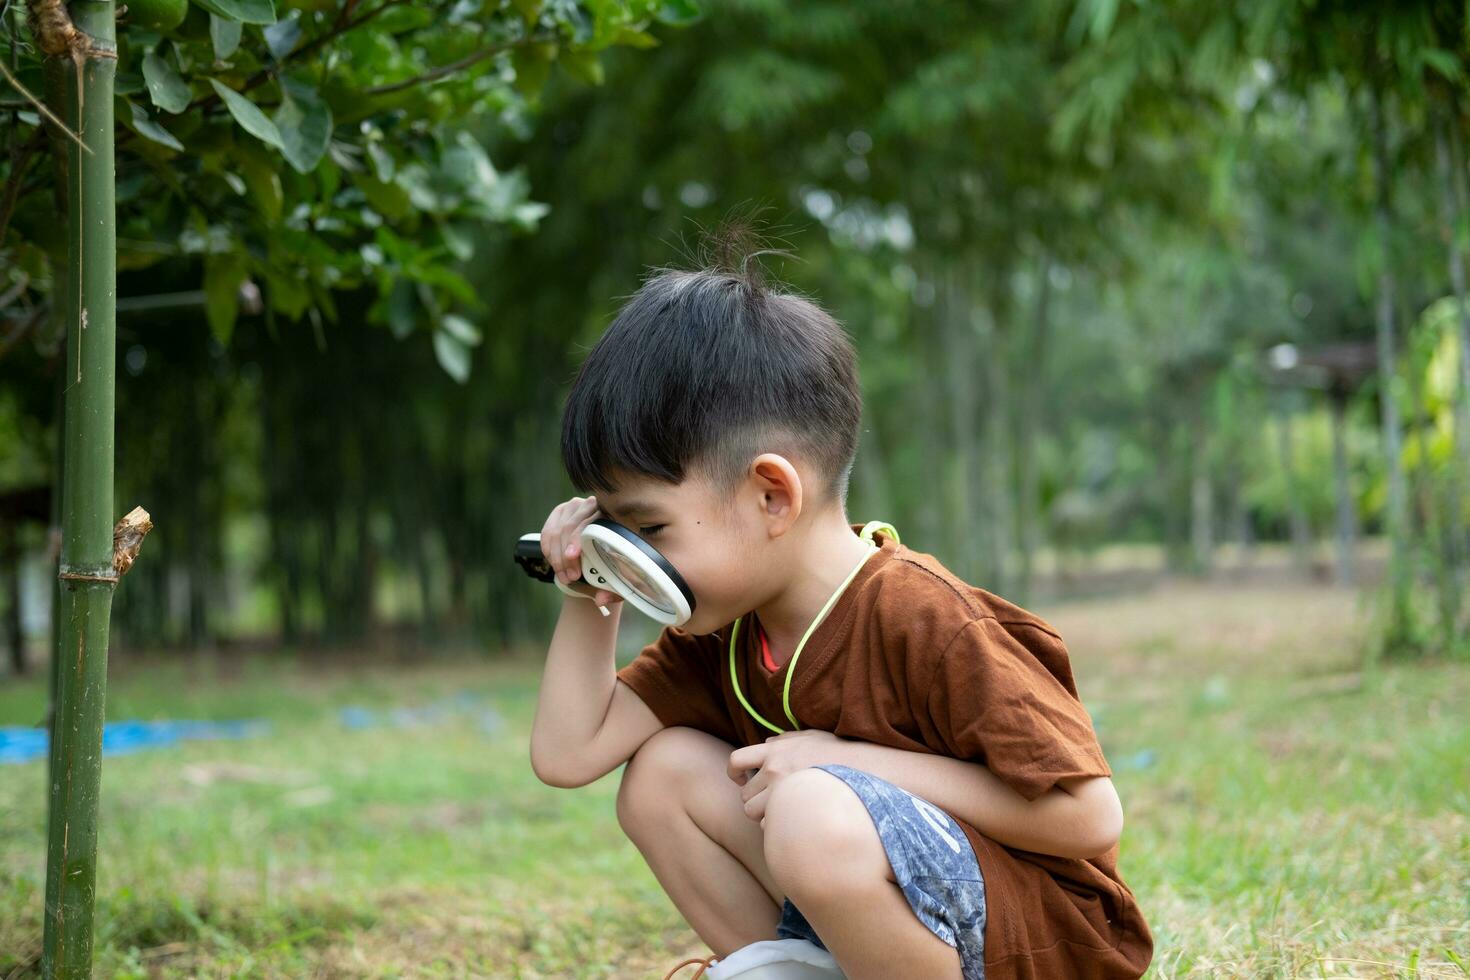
703 370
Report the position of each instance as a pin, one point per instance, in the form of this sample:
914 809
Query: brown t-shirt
912 657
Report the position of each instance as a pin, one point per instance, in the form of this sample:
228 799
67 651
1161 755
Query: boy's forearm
577 683
1054 823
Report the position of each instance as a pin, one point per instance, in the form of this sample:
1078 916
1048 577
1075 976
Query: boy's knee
819 837
654 778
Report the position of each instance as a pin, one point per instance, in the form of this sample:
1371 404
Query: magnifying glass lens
636 580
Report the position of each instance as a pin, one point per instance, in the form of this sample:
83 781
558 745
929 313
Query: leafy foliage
310 147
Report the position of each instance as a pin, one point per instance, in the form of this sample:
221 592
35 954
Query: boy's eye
651 531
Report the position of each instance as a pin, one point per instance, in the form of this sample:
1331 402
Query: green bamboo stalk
87 576
60 316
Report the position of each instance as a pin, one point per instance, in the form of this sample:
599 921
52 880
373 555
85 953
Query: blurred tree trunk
10 557
1451 219
1032 407
930 516
1300 529
997 461
1346 535
1432 506
1240 518
1392 427
200 433
966 530
1201 500
872 478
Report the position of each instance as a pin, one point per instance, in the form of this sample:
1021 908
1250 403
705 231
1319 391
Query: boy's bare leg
684 814
821 847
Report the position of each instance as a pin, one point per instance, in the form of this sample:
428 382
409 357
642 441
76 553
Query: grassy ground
1288 814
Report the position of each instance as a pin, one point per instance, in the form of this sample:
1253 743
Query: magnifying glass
616 559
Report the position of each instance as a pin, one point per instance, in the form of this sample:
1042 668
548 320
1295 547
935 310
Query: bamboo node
56 35
128 537
84 577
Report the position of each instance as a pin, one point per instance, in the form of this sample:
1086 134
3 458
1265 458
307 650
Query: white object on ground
777 959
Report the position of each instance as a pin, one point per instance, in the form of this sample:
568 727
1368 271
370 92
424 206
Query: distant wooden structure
1337 370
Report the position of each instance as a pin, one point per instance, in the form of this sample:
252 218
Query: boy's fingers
755 807
585 513
748 757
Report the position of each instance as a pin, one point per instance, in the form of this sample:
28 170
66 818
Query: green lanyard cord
867 535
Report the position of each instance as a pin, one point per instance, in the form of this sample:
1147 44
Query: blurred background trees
1135 287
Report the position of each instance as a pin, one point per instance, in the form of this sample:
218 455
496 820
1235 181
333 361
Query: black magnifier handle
532 561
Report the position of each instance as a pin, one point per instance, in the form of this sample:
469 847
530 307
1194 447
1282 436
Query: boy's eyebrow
633 508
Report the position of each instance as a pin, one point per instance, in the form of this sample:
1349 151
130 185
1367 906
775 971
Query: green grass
1298 817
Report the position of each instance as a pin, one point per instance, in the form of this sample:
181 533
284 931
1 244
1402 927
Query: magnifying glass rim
658 561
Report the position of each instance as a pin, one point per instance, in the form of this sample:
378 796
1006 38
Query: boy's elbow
554 775
1099 816
1107 827
1107 838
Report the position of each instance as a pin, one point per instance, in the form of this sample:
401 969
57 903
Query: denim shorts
932 861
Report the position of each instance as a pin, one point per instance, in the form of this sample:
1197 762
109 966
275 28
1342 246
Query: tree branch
454 66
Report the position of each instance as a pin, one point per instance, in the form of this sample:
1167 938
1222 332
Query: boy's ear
779 488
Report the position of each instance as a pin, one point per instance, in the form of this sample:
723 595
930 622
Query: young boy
846 743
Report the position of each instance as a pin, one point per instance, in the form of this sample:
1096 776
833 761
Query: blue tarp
465 704
121 737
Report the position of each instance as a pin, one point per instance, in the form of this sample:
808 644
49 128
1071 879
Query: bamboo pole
83 34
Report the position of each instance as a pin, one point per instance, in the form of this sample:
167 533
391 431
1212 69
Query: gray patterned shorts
932 861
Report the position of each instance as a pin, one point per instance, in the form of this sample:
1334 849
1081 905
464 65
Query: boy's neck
829 553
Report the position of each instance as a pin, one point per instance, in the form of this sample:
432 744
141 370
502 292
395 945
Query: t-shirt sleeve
677 677
1003 696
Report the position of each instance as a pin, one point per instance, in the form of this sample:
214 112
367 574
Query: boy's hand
775 758
561 543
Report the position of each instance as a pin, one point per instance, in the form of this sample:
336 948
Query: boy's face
716 547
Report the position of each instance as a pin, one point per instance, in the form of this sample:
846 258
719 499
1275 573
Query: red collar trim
766 659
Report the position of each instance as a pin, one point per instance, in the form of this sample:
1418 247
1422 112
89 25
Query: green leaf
304 122
429 275
532 64
383 164
401 309
166 87
468 165
324 300
460 245
259 168
1443 62
453 356
224 34
388 199
526 216
150 130
584 65
288 295
223 273
679 13
463 330
1104 12
245 11
403 19
281 37
250 118
530 10
633 37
